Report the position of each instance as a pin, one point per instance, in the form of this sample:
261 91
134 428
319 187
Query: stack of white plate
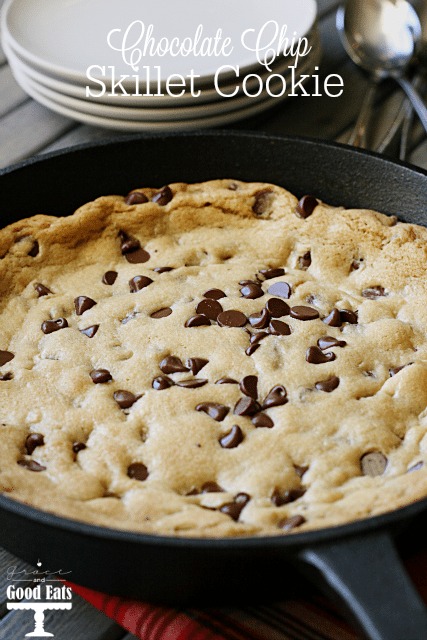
140 65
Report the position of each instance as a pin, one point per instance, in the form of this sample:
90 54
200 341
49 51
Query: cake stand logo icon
45 591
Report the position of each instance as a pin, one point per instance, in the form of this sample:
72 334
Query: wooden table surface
28 128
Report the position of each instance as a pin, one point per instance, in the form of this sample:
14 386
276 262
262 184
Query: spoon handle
358 137
415 99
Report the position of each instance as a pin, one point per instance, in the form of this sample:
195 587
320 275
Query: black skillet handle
368 576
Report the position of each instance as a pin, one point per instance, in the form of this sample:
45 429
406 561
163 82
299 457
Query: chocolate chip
232 439
129 244
192 383
281 289
100 376
251 291
136 197
109 277
251 349
249 386
333 319
235 508
226 381
90 331
262 420
373 292
306 206
300 470
314 355
41 289
211 487
82 304
213 410
33 441
260 320
198 321
137 257
6 376
373 464
291 523
246 407
49 326
232 318
31 465
172 364
163 269
355 265
416 467
396 370
161 313
328 385
304 261
245 282
210 308
272 273
124 399
195 364
137 283
275 397
349 316
78 446
279 328
277 308
280 497
162 382
262 201
163 197
215 294
5 356
137 471
304 313
34 251
257 337
327 342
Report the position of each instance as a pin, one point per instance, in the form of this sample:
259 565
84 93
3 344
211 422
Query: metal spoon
381 36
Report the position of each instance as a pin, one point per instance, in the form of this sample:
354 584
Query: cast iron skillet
358 561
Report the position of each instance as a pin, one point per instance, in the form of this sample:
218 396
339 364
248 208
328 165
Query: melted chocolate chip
291 523
249 386
232 439
211 487
279 328
199 320
172 364
246 282
373 464
137 471
137 283
304 261
161 313
6 376
124 399
260 320
41 289
327 342
349 316
136 197
235 508
251 291
210 308
262 420
277 308
333 319
90 331
163 269
276 397
396 370
280 497
78 446
214 294
314 355
109 277
373 292
138 256
82 304
246 407
162 382
280 289
226 381
5 356
257 337
262 201
232 318
215 411
306 206
49 326
272 273
129 244
163 197
328 385
33 441
35 249
100 376
192 383
195 364
300 470
304 313
416 467
251 349
31 465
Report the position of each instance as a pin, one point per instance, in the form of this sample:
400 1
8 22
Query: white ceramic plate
65 37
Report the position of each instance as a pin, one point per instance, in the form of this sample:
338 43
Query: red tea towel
311 618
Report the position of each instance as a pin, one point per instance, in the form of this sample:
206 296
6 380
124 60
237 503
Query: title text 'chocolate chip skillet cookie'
214 359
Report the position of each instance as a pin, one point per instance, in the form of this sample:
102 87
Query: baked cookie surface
215 359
